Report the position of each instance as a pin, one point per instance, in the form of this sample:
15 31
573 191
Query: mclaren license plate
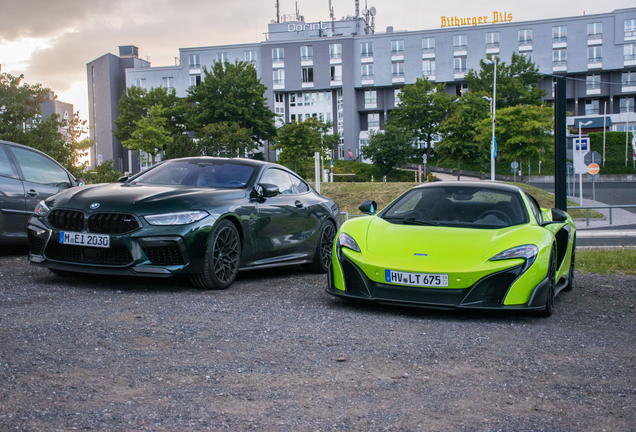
84 239
416 279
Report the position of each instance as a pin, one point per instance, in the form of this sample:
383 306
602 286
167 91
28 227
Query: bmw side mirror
368 207
80 183
268 190
559 215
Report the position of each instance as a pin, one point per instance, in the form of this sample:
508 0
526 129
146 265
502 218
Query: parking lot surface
275 352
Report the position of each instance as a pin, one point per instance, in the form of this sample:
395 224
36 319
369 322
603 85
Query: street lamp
581 124
494 98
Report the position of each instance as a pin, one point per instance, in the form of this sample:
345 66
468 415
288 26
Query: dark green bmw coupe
205 217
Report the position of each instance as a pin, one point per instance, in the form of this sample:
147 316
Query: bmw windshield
214 174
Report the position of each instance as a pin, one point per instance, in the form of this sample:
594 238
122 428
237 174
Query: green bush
614 152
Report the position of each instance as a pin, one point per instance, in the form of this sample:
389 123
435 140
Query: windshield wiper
409 221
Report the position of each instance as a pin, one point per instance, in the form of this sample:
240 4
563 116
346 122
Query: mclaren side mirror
122 179
559 215
368 207
267 190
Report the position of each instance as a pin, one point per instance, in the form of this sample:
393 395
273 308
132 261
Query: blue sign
584 145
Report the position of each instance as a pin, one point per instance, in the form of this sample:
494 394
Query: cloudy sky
50 41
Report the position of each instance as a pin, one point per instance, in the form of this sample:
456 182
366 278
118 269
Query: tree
20 107
231 93
150 133
458 130
389 149
181 146
422 108
523 132
136 102
226 139
517 83
299 141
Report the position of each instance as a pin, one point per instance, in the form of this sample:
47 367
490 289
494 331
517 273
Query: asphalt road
623 193
275 352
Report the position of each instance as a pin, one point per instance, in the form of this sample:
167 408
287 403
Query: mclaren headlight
41 209
345 240
178 218
526 252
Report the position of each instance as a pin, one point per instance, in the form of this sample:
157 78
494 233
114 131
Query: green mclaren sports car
466 245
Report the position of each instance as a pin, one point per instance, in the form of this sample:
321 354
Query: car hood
408 246
143 199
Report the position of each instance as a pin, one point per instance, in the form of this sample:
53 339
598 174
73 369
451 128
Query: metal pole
604 123
626 136
494 110
580 171
560 150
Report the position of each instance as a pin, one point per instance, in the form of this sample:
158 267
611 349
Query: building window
168 83
630 28
140 82
279 76
370 97
428 45
292 100
366 49
278 55
194 60
595 30
459 42
428 67
308 74
222 57
591 107
398 69
627 104
595 54
460 65
397 47
629 78
525 37
336 73
250 57
335 51
367 71
559 34
460 89
629 52
195 80
559 57
373 120
492 40
396 96
306 53
593 82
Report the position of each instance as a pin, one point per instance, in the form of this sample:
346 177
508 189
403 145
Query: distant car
27 176
204 217
457 245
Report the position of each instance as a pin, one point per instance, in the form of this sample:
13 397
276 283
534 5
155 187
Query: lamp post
581 124
494 109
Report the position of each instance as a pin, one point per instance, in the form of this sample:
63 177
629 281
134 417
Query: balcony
428 50
397 52
492 45
428 73
591 111
593 88
559 39
335 55
460 48
559 65
594 38
525 42
628 86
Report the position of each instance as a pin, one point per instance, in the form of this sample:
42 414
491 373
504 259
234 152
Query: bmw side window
6 167
279 178
298 185
40 169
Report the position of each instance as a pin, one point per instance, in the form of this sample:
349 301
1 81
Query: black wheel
63 273
549 303
222 258
570 284
322 257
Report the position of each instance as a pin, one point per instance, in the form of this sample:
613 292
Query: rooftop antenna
357 9
277 12
331 14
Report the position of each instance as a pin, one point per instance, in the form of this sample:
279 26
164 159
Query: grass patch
606 261
350 195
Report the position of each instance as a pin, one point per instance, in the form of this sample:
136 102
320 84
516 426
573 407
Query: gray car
27 176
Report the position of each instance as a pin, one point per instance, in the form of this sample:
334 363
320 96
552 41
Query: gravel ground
275 352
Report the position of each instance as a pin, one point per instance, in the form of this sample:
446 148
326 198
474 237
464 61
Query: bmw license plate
84 239
416 279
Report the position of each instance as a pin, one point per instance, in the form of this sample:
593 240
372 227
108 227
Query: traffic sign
514 165
593 177
593 168
592 157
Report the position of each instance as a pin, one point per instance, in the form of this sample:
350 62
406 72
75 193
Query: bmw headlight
178 218
527 252
345 240
41 209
